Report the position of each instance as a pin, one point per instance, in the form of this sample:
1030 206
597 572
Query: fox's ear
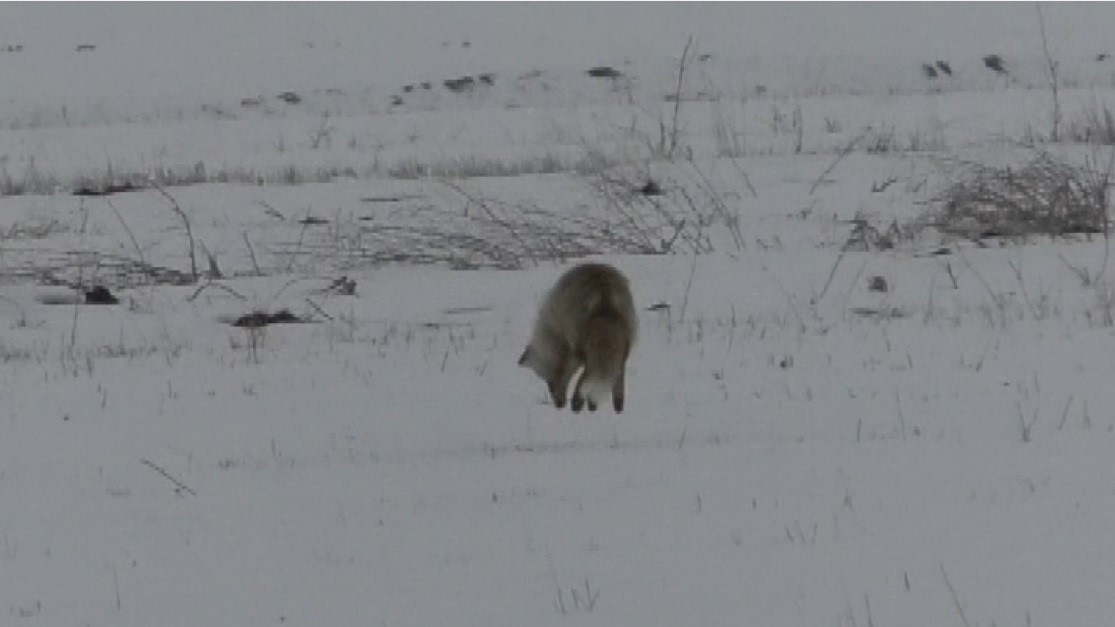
525 357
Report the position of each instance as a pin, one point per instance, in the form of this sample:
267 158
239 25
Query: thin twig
214 268
284 287
251 253
1054 135
832 273
1017 269
271 211
721 207
785 293
116 586
319 309
743 174
128 230
955 599
688 284
179 487
1065 414
298 247
185 220
191 298
677 98
995 298
839 157
1081 273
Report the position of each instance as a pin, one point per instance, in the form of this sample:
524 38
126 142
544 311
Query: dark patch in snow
995 62
111 188
258 319
651 189
458 85
100 295
604 71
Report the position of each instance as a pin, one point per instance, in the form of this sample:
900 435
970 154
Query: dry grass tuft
1046 196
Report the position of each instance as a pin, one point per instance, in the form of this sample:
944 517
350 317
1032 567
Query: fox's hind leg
559 385
618 387
577 403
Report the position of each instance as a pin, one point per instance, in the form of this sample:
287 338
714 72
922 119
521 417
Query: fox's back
585 292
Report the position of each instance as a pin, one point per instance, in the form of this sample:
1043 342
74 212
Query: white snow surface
797 449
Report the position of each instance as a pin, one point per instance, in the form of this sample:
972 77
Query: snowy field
843 410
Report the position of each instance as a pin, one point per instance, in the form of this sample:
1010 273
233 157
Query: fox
588 320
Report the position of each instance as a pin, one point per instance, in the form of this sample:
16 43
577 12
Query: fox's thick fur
587 319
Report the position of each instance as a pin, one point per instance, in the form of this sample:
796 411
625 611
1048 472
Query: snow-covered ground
822 428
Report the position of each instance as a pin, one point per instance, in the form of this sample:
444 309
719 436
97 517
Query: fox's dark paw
577 404
617 404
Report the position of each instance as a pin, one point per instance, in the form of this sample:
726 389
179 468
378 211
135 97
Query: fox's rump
587 319
603 347
585 292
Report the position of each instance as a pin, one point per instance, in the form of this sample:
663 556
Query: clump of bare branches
482 233
67 267
1094 125
867 236
632 214
666 221
1046 196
